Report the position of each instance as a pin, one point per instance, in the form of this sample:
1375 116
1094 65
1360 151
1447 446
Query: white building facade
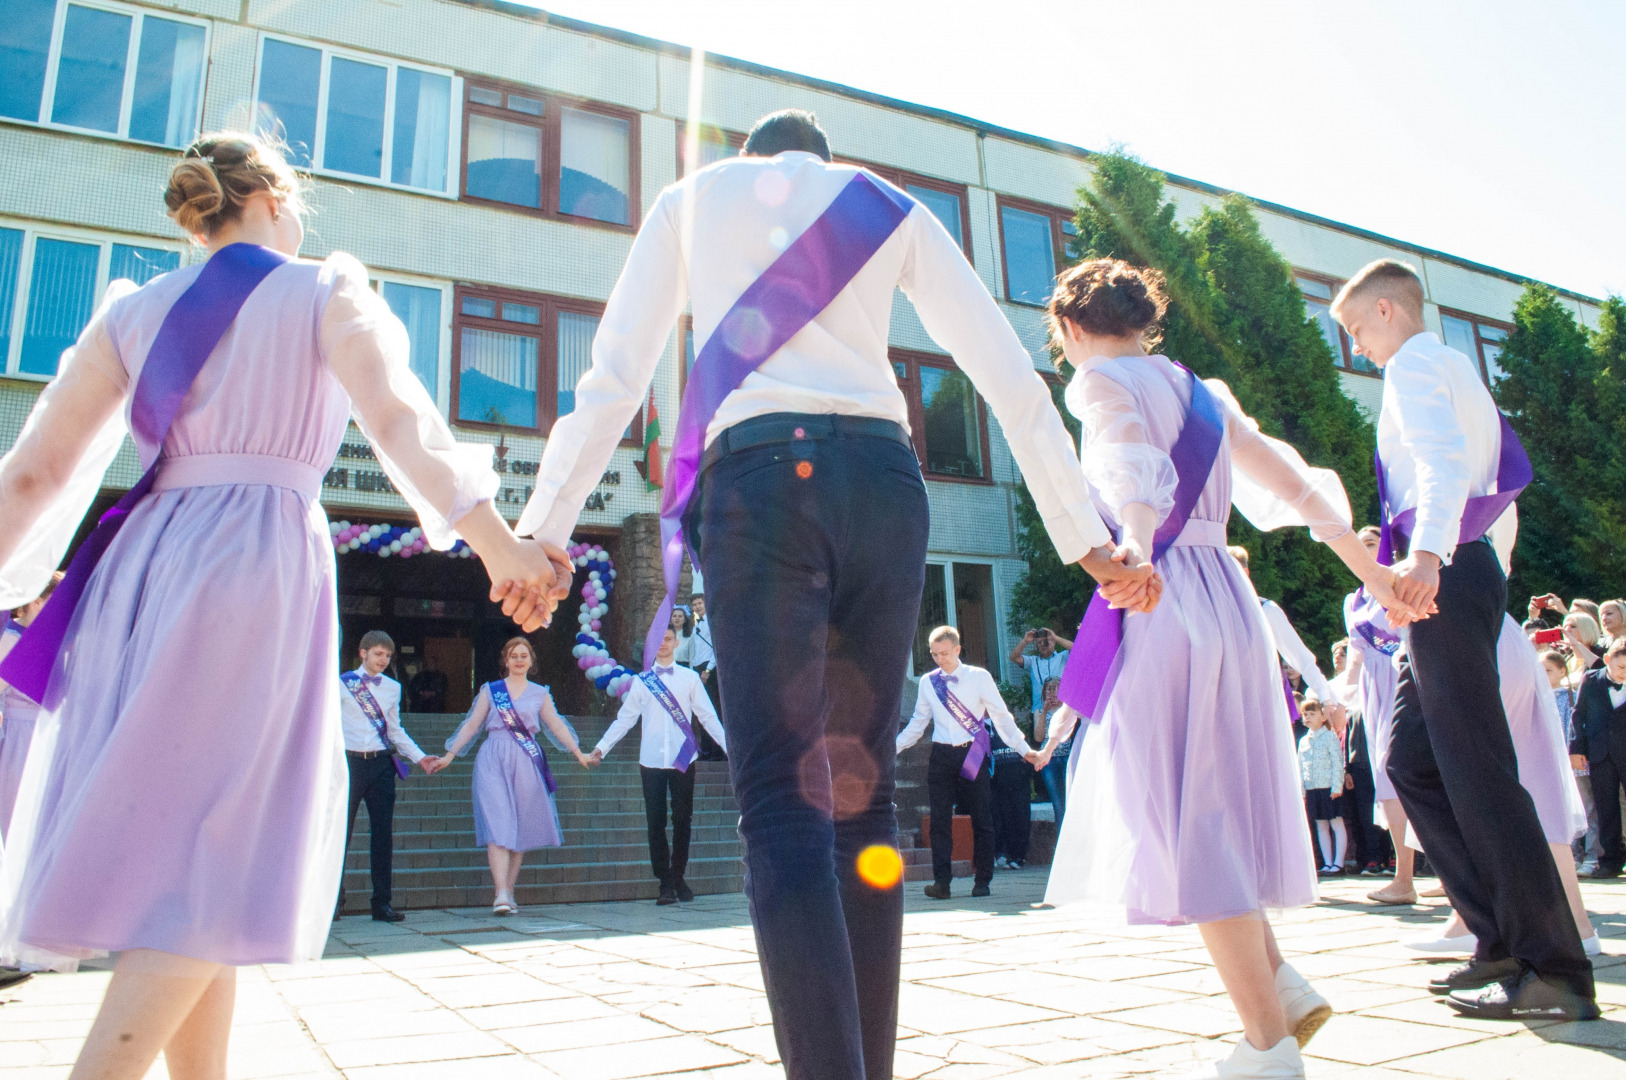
491 164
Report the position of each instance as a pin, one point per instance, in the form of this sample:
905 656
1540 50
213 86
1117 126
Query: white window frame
126 102
443 361
25 277
996 648
454 114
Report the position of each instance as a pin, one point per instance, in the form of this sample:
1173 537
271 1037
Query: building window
961 595
1033 238
421 309
714 145
49 286
947 416
1478 339
1318 293
550 155
358 116
103 68
519 357
945 199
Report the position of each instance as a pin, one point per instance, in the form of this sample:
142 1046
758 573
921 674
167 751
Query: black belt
365 754
791 427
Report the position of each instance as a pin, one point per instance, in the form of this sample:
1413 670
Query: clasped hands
1407 592
531 583
1126 575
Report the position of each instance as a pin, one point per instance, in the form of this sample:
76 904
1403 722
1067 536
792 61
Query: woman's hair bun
1111 298
219 173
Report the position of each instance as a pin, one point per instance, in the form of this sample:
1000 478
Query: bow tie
950 678
372 680
664 670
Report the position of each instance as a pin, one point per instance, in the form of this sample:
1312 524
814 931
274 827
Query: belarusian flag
652 447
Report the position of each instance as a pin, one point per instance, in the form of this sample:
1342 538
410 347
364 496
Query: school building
490 163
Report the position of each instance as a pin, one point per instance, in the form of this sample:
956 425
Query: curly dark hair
1111 298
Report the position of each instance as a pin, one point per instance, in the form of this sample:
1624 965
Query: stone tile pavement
991 988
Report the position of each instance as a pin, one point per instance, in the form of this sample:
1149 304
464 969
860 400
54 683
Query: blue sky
1492 130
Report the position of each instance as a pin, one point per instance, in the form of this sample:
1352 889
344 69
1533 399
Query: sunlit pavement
992 987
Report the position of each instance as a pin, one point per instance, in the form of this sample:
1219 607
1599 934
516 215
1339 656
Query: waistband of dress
1200 533
212 470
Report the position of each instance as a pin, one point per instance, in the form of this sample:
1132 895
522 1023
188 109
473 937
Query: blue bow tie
372 680
664 670
950 678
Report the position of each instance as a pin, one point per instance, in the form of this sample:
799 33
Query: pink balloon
596 625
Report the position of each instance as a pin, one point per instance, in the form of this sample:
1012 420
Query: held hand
1337 714
526 584
582 759
1417 581
1034 758
1399 614
595 758
1577 761
429 764
1338 794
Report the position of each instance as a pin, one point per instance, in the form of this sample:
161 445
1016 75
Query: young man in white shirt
808 522
951 698
666 759
368 700
1451 757
702 657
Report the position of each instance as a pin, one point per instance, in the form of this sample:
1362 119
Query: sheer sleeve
367 347
53 471
1120 460
1272 485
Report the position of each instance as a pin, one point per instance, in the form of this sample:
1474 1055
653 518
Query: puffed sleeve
1120 461
367 347
1272 484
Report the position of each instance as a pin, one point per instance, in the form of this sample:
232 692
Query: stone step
586 850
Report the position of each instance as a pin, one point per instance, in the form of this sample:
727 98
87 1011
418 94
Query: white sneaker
1592 945
1439 943
1304 1009
1280 1062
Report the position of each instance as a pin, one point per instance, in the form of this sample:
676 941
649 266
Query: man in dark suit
1600 743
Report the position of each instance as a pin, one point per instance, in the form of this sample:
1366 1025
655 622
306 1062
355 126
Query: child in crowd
1321 766
1586 848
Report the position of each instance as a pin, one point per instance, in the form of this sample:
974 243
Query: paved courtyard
991 988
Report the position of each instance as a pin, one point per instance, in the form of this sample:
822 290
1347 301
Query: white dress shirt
978 692
700 653
712 234
1295 654
359 733
1617 695
1440 438
662 738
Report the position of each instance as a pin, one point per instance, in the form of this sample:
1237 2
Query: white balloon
579 651
593 576
333 528
395 545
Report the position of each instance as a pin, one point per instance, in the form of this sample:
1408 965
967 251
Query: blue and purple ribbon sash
516 727
662 693
190 332
791 293
1479 513
1368 619
980 743
1092 667
374 713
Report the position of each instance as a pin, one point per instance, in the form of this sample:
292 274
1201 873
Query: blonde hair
944 633
220 172
1239 553
1389 279
1586 628
510 645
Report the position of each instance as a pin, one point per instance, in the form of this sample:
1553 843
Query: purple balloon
596 624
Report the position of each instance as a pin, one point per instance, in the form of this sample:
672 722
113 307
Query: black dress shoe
684 893
385 913
668 896
980 890
1605 872
1526 996
936 891
10 977
1475 974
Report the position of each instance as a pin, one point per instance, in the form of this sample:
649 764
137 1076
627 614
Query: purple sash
190 332
974 727
1287 692
516 727
375 716
773 309
663 694
1513 475
1367 618
1092 667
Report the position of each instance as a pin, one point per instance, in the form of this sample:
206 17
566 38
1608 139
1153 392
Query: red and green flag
651 465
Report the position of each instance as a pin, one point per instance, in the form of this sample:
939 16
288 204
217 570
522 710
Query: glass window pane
1030 255
529 105
953 441
90 72
521 313
1320 290
61 296
505 161
974 615
1459 334
575 355
481 96
169 73
25 42
933 613
688 352
498 382
290 81
1492 333
480 306
595 166
944 206
1493 365
1322 314
418 308
423 105
140 264
714 146
11 254
354 141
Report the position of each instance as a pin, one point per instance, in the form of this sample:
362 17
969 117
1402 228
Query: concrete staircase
605 855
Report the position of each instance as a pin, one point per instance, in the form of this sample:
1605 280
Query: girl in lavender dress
185 815
514 810
17 709
1190 809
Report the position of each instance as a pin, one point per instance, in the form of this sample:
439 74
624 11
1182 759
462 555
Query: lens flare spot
804 469
880 866
778 237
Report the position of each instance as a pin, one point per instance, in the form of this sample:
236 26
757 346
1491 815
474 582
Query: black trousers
709 750
1453 766
1606 777
1012 798
814 554
659 784
946 788
1369 843
372 780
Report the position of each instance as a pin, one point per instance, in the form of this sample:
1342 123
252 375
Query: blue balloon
584 639
602 681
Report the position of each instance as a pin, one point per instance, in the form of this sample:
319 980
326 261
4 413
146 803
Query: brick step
586 849
581 892
573 820
539 874
448 839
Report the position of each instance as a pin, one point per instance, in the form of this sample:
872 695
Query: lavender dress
1186 804
16 734
188 792
1379 675
512 807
